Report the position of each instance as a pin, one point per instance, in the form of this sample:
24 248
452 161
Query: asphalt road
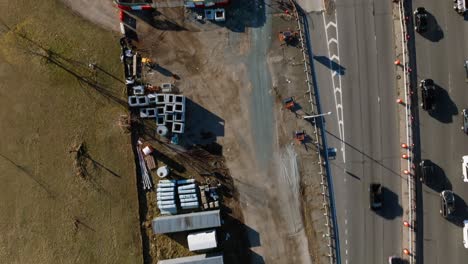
440 54
365 129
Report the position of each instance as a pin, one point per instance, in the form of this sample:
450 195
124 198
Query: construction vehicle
289 103
290 38
300 136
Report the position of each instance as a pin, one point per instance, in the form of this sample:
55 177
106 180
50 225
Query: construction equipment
289 103
289 37
300 136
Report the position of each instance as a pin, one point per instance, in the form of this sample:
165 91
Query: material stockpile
187 197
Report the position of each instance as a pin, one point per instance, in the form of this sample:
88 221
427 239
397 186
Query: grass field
60 206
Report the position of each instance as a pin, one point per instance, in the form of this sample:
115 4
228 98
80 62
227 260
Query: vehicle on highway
465 168
426 170
464 114
465 233
459 6
465 65
376 196
420 20
428 94
394 260
447 203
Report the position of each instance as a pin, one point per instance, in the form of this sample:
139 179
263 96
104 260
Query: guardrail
409 118
319 132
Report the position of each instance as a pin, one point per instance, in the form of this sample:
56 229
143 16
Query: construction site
212 117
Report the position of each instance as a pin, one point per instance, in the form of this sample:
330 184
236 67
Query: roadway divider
332 238
407 132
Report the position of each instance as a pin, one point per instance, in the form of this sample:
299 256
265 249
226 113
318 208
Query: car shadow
391 207
439 180
445 107
434 32
461 212
330 64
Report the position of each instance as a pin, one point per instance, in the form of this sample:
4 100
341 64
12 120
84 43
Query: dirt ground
237 113
61 203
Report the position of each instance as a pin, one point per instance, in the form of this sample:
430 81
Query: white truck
459 6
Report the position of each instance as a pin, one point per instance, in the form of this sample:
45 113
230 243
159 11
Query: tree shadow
202 126
391 208
434 32
445 108
330 64
439 180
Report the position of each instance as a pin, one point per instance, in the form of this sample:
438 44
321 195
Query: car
465 168
465 233
464 114
447 203
465 65
376 196
426 170
427 94
420 20
394 260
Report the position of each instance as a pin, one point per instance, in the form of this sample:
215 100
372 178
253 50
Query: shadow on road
391 208
445 107
439 181
330 64
461 212
434 32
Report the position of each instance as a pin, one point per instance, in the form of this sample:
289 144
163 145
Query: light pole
314 116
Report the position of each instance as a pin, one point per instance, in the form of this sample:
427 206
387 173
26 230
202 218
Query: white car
465 168
465 233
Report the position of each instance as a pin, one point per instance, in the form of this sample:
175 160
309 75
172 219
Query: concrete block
169 98
179 117
169 117
179 99
160 110
179 108
167 87
219 15
148 112
138 90
160 99
177 127
168 108
160 120
151 98
137 100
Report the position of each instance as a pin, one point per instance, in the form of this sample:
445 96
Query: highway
439 55
358 38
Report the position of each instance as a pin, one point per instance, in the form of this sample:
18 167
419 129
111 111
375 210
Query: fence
319 132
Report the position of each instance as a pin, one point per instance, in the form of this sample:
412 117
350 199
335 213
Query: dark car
376 196
428 94
420 20
465 65
464 114
395 260
447 203
426 170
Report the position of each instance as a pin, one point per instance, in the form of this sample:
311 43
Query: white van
465 168
465 233
459 6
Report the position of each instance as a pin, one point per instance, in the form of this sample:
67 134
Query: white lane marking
331 23
338 96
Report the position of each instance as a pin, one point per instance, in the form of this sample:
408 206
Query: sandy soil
51 102
218 66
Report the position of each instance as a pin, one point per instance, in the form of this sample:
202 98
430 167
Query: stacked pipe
187 190
165 195
145 177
